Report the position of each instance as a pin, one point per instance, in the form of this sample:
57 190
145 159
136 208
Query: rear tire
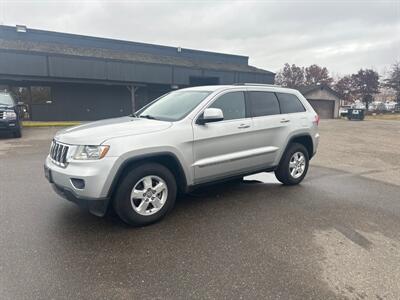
294 165
137 200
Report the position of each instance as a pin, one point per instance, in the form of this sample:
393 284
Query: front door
224 148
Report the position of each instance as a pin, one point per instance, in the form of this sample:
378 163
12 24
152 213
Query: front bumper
97 207
9 125
96 175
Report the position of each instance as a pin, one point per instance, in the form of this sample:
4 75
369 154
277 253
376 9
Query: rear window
290 103
263 104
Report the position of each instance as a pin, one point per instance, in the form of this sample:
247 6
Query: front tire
145 195
294 165
18 133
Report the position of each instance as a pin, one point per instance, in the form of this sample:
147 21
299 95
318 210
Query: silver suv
186 138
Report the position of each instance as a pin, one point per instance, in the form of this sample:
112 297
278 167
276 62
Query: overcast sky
341 35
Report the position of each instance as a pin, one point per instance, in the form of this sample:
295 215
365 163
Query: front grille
1 115
58 153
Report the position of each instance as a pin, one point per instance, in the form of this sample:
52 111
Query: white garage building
323 99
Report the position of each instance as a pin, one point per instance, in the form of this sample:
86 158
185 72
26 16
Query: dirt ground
369 148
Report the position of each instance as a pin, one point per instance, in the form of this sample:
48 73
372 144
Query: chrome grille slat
58 153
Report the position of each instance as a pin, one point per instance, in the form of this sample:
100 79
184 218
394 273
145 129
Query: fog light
78 183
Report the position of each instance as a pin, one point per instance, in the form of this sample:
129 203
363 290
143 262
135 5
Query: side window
263 104
290 103
232 105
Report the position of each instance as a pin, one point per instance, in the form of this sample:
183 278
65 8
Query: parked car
10 118
182 140
343 110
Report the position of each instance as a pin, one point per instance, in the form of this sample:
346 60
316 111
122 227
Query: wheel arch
167 159
303 139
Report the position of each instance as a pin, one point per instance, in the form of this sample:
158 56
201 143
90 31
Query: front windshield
6 99
173 106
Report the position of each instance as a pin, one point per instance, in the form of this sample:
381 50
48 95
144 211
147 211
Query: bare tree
345 87
366 84
290 76
315 74
393 82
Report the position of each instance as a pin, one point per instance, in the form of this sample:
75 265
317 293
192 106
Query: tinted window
263 104
232 105
290 103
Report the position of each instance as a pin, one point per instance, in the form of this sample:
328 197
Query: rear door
224 148
269 125
294 110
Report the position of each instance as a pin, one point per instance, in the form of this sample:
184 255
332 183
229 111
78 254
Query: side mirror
211 115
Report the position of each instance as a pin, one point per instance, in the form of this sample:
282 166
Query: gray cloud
342 35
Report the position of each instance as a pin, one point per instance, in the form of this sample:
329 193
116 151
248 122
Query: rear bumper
316 142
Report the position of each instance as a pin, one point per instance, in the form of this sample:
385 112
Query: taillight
316 120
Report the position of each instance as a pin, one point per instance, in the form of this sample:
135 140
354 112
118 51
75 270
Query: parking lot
334 236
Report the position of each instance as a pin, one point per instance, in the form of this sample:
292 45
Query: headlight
11 115
91 152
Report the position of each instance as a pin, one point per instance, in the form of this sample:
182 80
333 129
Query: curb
49 124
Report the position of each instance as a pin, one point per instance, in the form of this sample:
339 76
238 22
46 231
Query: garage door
324 108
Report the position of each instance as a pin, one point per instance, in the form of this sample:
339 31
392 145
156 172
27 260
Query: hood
95 133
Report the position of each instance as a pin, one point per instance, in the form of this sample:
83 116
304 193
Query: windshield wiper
134 115
148 117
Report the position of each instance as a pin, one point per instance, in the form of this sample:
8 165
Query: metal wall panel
23 64
224 77
70 67
84 102
153 73
121 71
181 75
255 78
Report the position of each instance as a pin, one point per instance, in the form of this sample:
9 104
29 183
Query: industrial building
60 76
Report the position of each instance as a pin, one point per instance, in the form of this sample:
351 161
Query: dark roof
41 41
311 88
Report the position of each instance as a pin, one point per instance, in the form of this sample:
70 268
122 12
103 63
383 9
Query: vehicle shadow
202 198
6 136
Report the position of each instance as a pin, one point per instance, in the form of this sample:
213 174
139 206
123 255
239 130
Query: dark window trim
247 104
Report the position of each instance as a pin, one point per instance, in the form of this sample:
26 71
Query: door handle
242 126
285 121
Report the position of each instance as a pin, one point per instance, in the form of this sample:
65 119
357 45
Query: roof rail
256 84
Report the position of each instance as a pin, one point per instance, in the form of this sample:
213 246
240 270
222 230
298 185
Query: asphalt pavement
334 236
